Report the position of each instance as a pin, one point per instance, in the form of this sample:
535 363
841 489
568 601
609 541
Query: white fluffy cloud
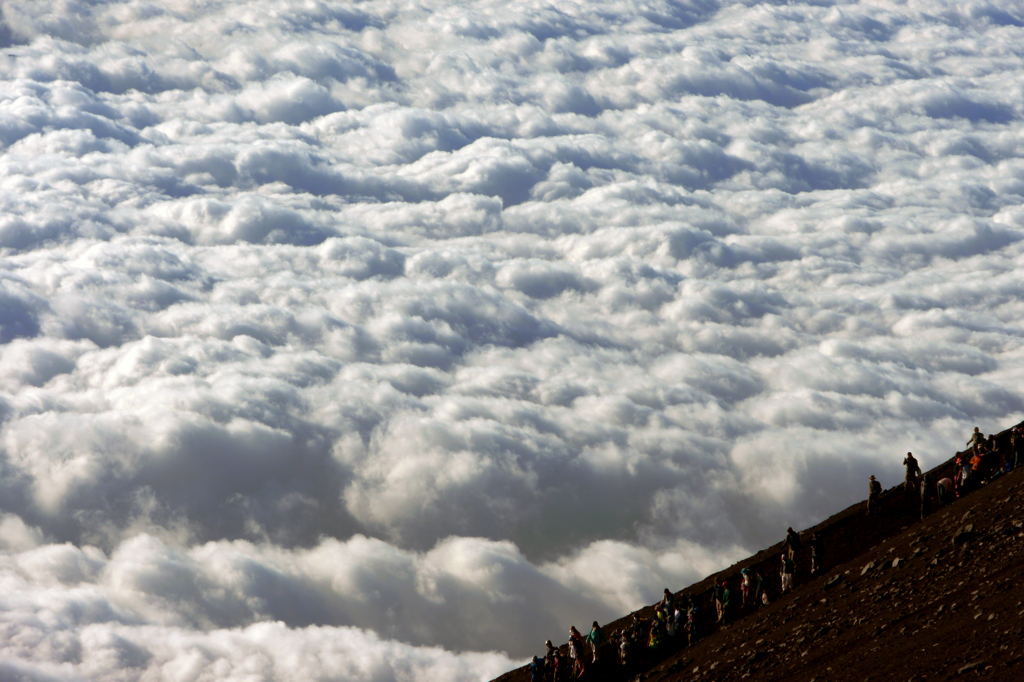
383 342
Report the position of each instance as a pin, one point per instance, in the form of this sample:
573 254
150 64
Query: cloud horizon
367 342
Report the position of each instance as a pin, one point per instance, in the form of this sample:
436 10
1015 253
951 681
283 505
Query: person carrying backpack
536 670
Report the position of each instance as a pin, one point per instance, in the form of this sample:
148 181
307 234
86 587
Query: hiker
927 493
759 594
787 573
976 438
913 471
667 601
536 670
719 588
1017 442
817 553
792 543
595 638
549 660
657 632
727 603
962 477
670 628
746 587
874 491
636 628
624 650
559 668
944 489
576 651
692 624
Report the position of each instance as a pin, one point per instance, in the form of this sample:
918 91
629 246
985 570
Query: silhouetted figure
536 670
636 628
667 600
561 667
728 602
719 601
944 489
874 491
692 622
927 493
549 660
913 471
817 553
792 544
976 438
760 597
625 652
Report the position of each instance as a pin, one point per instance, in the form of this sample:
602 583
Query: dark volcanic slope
900 599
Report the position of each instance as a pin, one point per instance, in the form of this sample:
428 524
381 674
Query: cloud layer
383 342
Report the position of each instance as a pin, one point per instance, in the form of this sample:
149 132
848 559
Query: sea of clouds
382 340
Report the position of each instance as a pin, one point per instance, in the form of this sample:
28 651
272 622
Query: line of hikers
681 621
984 460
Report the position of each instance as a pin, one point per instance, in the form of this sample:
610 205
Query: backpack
876 487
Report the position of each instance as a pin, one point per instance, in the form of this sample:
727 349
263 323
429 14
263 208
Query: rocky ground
900 599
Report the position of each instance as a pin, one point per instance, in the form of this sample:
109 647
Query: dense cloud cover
381 340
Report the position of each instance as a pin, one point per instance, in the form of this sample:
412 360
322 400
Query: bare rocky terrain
900 598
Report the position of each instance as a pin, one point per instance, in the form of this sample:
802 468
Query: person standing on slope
874 492
977 438
719 589
595 638
913 471
787 573
576 651
727 603
667 601
927 493
817 553
793 544
536 670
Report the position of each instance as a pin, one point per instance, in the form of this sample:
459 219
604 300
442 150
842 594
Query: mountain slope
900 599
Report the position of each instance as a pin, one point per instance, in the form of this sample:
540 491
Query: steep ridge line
843 619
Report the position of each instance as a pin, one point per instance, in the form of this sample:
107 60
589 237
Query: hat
872 477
